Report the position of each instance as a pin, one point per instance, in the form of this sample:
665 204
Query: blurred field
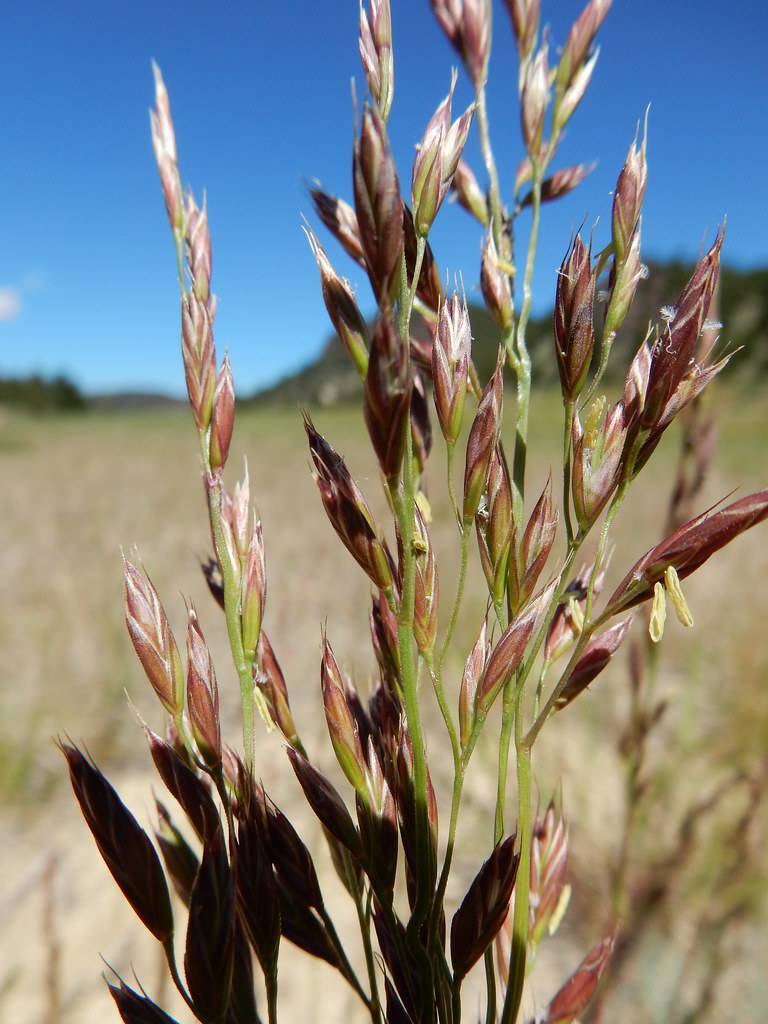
78 489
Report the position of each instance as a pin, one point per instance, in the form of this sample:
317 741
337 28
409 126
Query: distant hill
39 394
331 378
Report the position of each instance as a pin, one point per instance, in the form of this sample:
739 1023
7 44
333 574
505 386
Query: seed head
437 158
199 357
573 323
378 204
534 100
675 348
598 461
272 681
495 526
484 908
348 510
549 862
341 220
494 283
198 245
483 438
375 45
347 320
123 844
202 694
628 196
427 587
525 25
152 639
253 591
534 551
687 548
574 997
467 24
560 183
164 146
579 42
341 723
223 418
510 649
594 659
469 194
387 396
473 670
450 365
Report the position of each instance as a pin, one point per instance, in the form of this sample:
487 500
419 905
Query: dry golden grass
78 489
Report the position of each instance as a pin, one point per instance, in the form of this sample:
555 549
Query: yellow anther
575 614
658 613
676 596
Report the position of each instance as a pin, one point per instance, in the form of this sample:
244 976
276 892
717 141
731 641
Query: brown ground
76 490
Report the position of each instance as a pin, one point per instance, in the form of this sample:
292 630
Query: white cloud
10 303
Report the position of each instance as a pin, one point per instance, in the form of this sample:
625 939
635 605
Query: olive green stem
465 540
345 966
231 587
570 412
364 921
494 191
450 460
518 955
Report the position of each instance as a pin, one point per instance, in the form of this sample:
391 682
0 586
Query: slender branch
465 539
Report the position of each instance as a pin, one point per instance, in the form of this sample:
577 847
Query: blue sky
261 100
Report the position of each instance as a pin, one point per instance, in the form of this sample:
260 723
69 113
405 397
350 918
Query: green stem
523 358
370 964
490 987
445 711
465 539
516 983
345 966
494 191
505 738
567 432
232 615
450 452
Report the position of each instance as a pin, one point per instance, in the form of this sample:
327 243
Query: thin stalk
404 500
567 432
589 626
445 711
450 453
170 956
494 191
490 987
522 886
458 786
271 986
465 540
344 965
370 964
505 737
232 616
523 358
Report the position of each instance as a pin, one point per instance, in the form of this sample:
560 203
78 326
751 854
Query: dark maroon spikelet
137 1008
209 951
123 844
574 329
484 908
378 204
325 802
387 399
688 548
